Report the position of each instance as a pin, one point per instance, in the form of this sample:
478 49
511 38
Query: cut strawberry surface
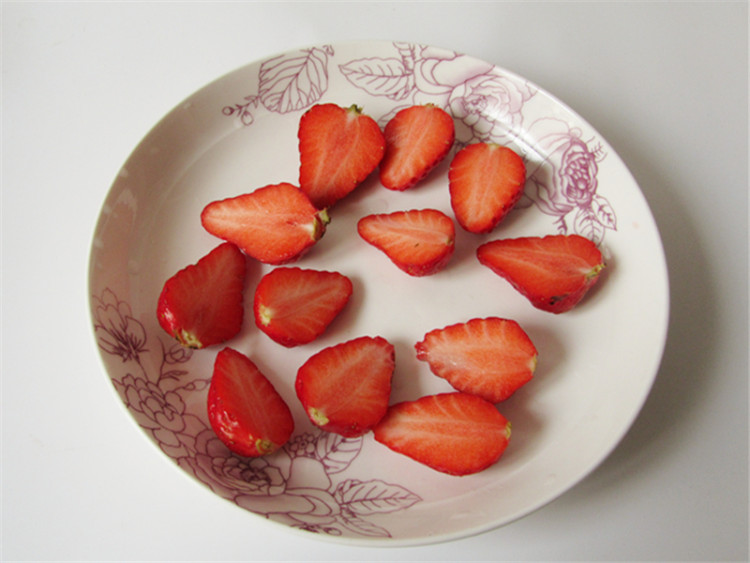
491 357
294 306
486 181
201 305
455 433
275 224
419 241
553 272
244 409
345 388
417 139
338 147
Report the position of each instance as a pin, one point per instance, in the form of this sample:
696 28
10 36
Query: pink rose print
118 333
228 475
564 184
490 106
161 413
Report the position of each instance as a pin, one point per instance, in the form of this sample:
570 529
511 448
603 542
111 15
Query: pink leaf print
380 77
586 224
336 452
604 212
375 496
294 81
363 527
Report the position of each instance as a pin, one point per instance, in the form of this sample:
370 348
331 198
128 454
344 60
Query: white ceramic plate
596 363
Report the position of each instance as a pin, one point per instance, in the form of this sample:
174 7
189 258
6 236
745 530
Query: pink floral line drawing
564 184
486 104
287 83
297 485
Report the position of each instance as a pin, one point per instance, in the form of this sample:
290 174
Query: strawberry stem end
317 417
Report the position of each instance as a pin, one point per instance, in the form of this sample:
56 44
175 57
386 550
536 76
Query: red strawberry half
455 433
244 409
486 181
417 139
275 224
489 357
294 306
201 305
553 272
339 147
419 241
345 388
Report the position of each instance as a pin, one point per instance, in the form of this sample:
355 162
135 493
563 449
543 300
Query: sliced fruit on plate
201 305
486 181
275 224
553 272
490 357
244 409
294 306
417 139
419 241
345 388
338 148
455 433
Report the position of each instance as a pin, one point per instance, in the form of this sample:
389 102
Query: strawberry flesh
417 139
338 147
491 357
486 181
345 388
244 409
554 272
275 224
419 241
455 433
294 306
201 305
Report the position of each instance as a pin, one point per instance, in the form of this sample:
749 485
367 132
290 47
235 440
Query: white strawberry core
264 313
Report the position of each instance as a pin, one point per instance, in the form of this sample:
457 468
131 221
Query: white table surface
665 83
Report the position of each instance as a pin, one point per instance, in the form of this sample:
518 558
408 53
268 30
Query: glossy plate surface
596 363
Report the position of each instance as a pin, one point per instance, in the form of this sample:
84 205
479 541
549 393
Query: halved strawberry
419 241
294 306
455 433
275 224
553 272
201 305
244 408
486 181
491 357
417 139
339 147
345 388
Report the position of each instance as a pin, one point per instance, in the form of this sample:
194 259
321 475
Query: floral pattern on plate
263 485
486 104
